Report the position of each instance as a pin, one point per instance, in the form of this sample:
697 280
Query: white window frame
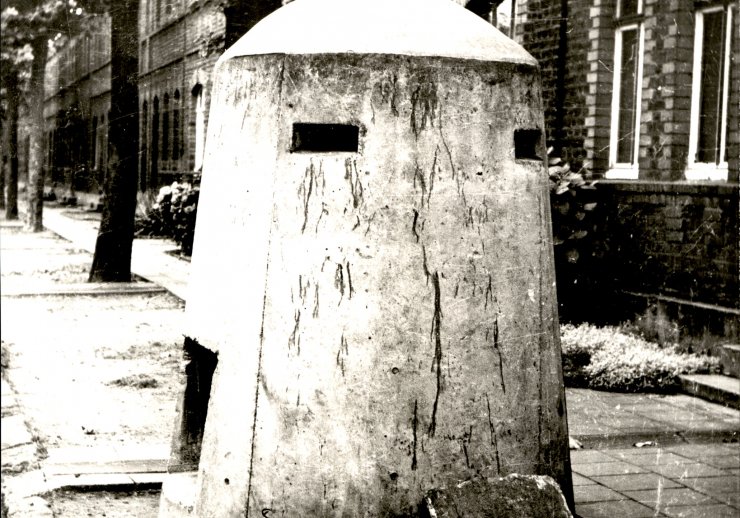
703 170
200 129
625 170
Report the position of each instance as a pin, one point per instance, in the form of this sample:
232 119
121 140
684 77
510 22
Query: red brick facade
178 48
671 243
578 88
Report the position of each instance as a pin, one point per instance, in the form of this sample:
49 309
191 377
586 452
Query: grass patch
608 358
139 381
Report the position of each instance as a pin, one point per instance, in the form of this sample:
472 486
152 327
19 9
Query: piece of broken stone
513 496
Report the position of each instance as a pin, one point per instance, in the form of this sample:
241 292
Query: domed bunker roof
439 28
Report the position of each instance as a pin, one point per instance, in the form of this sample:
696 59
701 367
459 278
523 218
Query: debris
646 444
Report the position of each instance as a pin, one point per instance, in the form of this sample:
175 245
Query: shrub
608 358
579 245
173 215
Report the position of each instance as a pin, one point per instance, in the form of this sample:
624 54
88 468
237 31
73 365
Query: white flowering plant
609 358
173 215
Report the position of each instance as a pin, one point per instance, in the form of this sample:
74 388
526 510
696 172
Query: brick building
644 95
180 41
77 108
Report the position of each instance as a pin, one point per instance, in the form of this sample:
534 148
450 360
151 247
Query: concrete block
513 496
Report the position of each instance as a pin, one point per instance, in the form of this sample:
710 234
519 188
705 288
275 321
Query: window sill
704 172
622 172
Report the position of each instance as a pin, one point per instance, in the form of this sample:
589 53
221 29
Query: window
154 149
200 127
626 92
142 143
710 84
94 142
166 131
176 149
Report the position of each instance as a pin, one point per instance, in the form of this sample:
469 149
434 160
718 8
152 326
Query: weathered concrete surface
513 496
386 322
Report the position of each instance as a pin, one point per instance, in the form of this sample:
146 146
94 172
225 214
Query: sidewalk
690 466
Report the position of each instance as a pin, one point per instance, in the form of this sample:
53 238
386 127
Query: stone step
730 358
45 289
713 387
106 468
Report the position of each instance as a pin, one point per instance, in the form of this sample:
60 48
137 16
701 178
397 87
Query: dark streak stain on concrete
437 339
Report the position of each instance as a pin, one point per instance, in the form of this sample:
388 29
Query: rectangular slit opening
323 138
527 144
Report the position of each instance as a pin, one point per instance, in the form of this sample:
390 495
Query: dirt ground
97 373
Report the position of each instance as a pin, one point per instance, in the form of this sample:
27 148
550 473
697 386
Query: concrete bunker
372 267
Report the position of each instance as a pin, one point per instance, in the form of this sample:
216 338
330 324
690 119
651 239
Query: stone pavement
682 480
687 465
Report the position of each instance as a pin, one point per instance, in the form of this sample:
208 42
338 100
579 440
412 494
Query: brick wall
537 28
578 95
674 247
666 94
673 239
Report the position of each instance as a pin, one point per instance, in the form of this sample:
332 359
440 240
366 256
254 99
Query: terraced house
179 42
644 95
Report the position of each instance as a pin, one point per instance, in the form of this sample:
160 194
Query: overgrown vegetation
172 215
609 358
579 247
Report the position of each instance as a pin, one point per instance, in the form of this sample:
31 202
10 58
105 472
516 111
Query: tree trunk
242 15
35 187
112 259
11 145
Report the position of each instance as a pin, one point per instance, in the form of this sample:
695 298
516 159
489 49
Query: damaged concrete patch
513 496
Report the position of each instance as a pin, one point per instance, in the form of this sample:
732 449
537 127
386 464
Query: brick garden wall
677 245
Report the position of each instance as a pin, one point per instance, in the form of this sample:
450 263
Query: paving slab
635 482
701 511
723 461
596 469
717 485
650 458
615 509
595 493
656 498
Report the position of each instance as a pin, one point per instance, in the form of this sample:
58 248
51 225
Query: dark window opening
526 144
712 88
154 150
166 130
324 137
628 96
200 365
